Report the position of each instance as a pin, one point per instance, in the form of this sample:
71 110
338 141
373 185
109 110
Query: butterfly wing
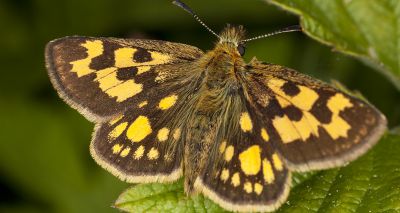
286 121
244 171
101 77
144 143
132 90
312 124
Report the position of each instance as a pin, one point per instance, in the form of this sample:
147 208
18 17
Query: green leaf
370 183
163 198
368 29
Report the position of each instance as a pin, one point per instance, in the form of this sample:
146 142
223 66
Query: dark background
45 164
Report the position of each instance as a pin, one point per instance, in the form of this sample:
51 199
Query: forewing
312 124
102 77
245 172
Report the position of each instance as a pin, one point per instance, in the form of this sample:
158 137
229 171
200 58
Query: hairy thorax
222 68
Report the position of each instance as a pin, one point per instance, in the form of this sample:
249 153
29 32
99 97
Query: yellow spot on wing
142 104
313 123
304 100
168 157
117 131
163 134
285 129
277 162
268 173
338 103
125 90
93 49
235 179
107 78
250 160
282 102
116 148
125 152
222 146
306 126
229 153
264 134
110 84
139 129
248 187
115 120
177 133
290 131
124 58
224 175
139 152
245 122
275 85
337 127
162 76
167 102
153 154
143 69
105 72
159 58
258 188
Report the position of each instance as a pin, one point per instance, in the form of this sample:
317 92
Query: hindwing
245 171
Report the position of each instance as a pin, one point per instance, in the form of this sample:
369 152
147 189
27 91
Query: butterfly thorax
222 67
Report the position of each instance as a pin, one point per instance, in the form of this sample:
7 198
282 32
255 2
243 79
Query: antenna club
183 6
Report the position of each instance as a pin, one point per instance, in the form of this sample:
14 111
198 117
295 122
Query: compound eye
241 49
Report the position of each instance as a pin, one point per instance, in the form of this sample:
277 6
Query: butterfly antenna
187 9
293 28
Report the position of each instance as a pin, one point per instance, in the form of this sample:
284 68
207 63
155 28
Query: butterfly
234 130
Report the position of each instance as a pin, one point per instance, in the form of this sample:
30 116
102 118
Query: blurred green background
45 165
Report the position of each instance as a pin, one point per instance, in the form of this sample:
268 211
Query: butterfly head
232 39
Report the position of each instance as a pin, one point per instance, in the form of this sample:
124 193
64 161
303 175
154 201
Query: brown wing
244 171
312 124
144 143
102 77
